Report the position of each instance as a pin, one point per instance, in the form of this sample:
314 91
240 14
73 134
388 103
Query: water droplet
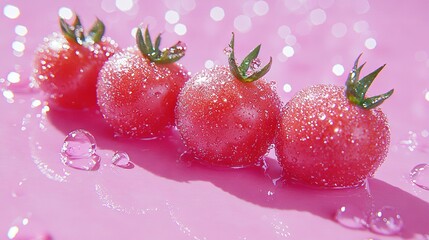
420 176
271 169
157 94
78 150
386 221
121 159
255 64
227 51
79 143
322 116
351 217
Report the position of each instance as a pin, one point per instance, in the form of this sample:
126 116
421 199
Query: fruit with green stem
67 64
138 87
334 136
228 115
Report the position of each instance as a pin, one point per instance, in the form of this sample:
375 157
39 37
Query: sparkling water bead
227 51
420 176
386 221
351 217
255 64
78 150
121 159
79 143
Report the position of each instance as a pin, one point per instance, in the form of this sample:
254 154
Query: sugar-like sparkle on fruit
224 121
325 140
137 97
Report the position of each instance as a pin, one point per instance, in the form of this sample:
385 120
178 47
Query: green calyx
152 52
242 72
75 32
356 88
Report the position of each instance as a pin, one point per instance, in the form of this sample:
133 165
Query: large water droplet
121 159
271 169
351 217
420 176
79 143
386 221
78 150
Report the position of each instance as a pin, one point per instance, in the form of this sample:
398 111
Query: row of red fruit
326 135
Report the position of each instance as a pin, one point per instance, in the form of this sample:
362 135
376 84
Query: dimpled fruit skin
324 140
225 122
137 97
67 72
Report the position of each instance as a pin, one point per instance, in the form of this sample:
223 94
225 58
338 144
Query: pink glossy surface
164 198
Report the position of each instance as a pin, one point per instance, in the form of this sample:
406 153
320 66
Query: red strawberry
334 136
225 116
138 87
66 65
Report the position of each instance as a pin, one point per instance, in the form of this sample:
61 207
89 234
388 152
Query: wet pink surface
163 197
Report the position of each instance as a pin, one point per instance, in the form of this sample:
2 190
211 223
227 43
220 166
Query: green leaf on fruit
75 32
242 72
356 88
152 52
97 31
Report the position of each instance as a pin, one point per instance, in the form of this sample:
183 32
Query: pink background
165 198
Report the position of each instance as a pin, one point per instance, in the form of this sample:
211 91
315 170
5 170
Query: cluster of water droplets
79 151
385 221
363 215
417 141
177 51
419 175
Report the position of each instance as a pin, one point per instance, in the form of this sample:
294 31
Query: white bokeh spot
242 23
287 88
261 8
317 16
65 13
339 30
172 17
11 11
217 14
124 5
338 69
180 29
288 51
370 43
